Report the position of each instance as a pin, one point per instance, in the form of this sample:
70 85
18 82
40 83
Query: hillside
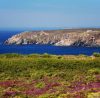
49 76
67 37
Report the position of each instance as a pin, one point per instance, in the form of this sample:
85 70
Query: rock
68 37
64 42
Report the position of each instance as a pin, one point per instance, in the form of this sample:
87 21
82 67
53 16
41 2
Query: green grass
37 66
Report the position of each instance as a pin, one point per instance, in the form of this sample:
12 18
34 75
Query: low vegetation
49 76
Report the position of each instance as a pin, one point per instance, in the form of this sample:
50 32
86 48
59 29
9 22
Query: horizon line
48 28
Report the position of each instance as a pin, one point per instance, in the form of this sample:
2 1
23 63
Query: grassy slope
17 73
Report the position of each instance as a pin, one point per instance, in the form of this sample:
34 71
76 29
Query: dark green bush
96 54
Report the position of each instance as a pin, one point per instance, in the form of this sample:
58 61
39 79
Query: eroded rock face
69 37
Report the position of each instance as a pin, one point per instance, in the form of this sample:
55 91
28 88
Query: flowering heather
29 89
10 93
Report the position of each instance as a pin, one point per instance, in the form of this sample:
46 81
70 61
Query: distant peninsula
66 37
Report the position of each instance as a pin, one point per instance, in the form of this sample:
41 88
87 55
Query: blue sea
41 49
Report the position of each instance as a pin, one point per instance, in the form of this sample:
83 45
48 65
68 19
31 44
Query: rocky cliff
68 37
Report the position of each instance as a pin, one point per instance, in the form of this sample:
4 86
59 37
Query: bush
94 71
96 54
40 85
94 95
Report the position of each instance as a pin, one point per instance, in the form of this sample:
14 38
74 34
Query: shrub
59 57
96 54
94 71
40 85
94 95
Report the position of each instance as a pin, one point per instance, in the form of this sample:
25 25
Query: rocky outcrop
71 37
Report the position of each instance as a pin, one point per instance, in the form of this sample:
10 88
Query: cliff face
70 37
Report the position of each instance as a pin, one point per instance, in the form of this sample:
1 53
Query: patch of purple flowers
51 86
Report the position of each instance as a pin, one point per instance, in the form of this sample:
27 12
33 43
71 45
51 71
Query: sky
49 13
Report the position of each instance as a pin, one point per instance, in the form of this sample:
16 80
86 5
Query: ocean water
41 49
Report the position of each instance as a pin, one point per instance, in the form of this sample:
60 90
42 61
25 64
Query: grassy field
49 76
